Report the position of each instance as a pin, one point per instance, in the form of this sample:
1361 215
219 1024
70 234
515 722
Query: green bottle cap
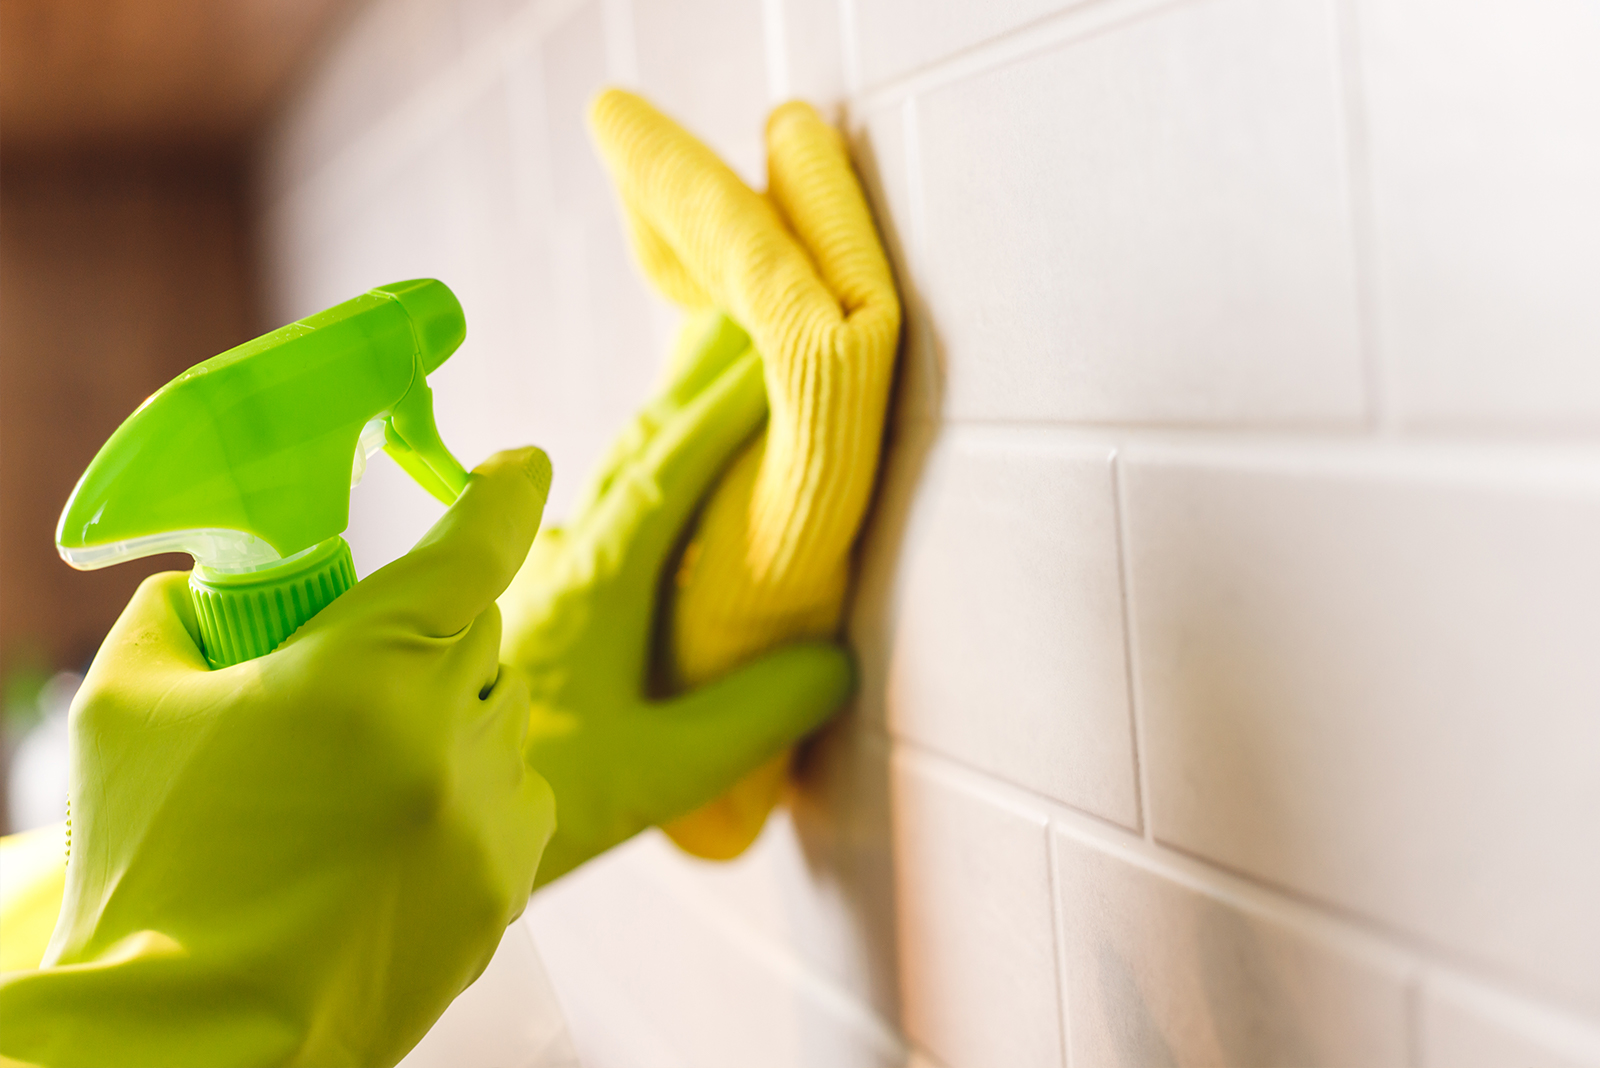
248 614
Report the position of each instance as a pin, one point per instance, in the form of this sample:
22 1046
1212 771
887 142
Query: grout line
1393 948
1413 1011
1012 793
1350 932
1025 42
1058 927
1499 434
1141 751
1356 144
1560 1031
1551 466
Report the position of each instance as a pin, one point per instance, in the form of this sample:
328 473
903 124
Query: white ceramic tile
878 150
1370 676
433 215
878 147
1008 652
481 20
808 63
602 330
977 960
880 153
1160 973
573 62
874 609
482 396
649 977
704 63
1463 1025
894 37
373 65
819 878
1157 232
1484 163
508 1018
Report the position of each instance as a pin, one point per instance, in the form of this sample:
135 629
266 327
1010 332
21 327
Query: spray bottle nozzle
245 462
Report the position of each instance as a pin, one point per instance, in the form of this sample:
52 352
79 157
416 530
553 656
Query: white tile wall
1158 972
838 824
1258 332
1484 169
1374 681
1009 652
382 55
707 59
805 51
1465 1026
1158 232
893 37
691 986
602 340
977 960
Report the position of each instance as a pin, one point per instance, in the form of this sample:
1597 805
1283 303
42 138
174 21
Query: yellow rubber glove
802 271
580 617
303 858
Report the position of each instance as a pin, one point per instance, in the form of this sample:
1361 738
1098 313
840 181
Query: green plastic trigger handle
246 462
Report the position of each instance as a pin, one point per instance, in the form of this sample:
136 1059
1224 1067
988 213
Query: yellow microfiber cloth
802 271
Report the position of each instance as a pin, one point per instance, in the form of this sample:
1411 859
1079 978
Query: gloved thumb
468 559
719 732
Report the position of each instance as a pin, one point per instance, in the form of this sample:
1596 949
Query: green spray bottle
246 462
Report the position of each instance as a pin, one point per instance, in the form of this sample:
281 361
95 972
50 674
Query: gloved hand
300 859
580 616
801 270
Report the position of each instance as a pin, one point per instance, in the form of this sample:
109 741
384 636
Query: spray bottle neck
249 613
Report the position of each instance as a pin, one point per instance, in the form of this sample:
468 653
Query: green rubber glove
300 859
581 614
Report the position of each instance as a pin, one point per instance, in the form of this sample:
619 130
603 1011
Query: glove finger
712 736
525 798
642 517
467 560
706 344
810 179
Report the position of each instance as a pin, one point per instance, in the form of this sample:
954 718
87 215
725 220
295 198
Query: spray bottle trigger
414 465
412 438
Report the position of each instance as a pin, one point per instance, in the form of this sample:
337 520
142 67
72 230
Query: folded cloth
802 271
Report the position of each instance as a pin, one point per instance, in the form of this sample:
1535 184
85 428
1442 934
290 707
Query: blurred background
1228 612
128 252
